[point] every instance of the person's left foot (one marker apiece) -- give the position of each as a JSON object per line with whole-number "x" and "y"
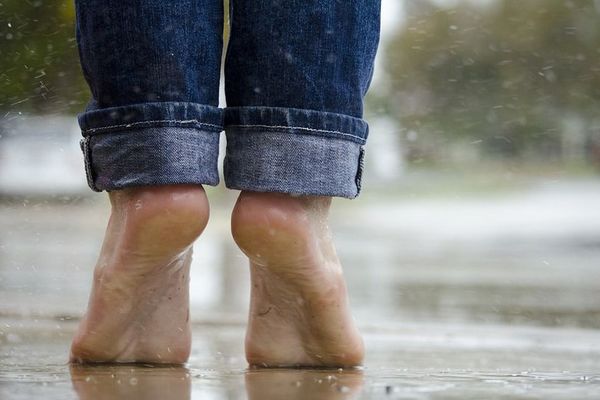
{"x": 139, "y": 305}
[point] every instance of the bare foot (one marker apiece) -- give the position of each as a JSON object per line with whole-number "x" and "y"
{"x": 139, "y": 306}
{"x": 299, "y": 312}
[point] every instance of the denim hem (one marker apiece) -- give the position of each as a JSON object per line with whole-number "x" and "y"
{"x": 96, "y": 120}
{"x": 149, "y": 156}
{"x": 274, "y": 161}
{"x": 297, "y": 121}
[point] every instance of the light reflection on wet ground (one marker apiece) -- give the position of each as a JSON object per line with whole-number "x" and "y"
{"x": 458, "y": 298}
{"x": 416, "y": 361}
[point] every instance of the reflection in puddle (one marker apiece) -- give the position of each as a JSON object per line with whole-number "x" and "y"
{"x": 134, "y": 382}
{"x": 130, "y": 382}
{"x": 303, "y": 384}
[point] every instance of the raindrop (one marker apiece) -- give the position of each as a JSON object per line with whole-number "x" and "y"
{"x": 13, "y": 338}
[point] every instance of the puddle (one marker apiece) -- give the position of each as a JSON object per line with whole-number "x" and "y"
{"x": 508, "y": 307}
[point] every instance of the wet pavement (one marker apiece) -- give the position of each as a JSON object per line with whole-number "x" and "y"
{"x": 463, "y": 296}
{"x": 410, "y": 361}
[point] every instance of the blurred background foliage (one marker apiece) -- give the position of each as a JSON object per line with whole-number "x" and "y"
{"x": 515, "y": 78}
{"x": 39, "y": 65}
{"x": 504, "y": 79}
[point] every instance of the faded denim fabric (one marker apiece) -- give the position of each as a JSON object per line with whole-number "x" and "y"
{"x": 296, "y": 73}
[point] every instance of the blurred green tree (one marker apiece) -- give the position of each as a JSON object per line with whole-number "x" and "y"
{"x": 39, "y": 65}
{"x": 504, "y": 75}
{"x": 39, "y": 62}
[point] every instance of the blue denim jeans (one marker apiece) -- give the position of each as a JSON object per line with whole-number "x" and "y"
{"x": 296, "y": 73}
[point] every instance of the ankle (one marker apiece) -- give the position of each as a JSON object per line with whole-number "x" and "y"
{"x": 170, "y": 216}
{"x": 272, "y": 227}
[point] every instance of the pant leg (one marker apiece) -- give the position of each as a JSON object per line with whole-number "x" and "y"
{"x": 153, "y": 68}
{"x": 296, "y": 73}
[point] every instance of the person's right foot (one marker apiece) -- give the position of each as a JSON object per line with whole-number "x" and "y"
{"x": 299, "y": 312}
{"x": 139, "y": 306}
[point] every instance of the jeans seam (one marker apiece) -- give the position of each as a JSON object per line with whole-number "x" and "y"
{"x": 189, "y": 121}
{"x": 87, "y": 154}
{"x": 298, "y": 128}
{"x": 359, "y": 171}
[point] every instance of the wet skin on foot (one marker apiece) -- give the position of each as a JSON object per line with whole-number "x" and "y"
{"x": 139, "y": 305}
{"x": 299, "y": 312}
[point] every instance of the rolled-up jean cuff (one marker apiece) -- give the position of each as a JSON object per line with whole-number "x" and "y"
{"x": 301, "y": 152}
{"x": 160, "y": 155}
{"x": 155, "y": 143}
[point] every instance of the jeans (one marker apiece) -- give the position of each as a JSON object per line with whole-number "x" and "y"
{"x": 296, "y": 73}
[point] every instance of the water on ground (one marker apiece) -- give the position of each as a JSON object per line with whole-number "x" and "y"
{"x": 459, "y": 297}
